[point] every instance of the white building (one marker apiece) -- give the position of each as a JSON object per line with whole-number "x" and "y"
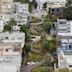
{"x": 56, "y": 6}
{"x": 64, "y": 32}
{"x": 11, "y": 45}
{"x": 64, "y": 27}
{"x": 65, "y": 54}
{"x": 19, "y": 12}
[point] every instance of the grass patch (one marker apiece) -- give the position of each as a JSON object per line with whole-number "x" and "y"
{"x": 35, "y": 20}
{"x": 63, "y": 70}
{"x": 43, "y": 69}
{"x": 35, "y": 57}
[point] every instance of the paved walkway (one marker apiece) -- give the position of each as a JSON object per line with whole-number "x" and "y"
{"x": 37, "y": 23}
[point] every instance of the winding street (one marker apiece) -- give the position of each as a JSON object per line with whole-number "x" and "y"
{"x": 29, "y": 68}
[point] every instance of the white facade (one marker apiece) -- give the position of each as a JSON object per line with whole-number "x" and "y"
{"x": 4, "y": 18}
{"x": 11, "y": 45}
{"x": 64, "y": 27}
{"x": 1, "y": 26}
{"x": 65, "y": 54}
{"x": 64, "y": 31}
{"x": 19, "y": 12}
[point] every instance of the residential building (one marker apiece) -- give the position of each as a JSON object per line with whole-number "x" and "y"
{"x": 5, "y": 6}
{"x": 56, "y": 7}
{"x": 11, "y": 45}
{"x": 65, "y": 54}
{"x": 64, "y": 51}
{"x": 20, "y": 12}
{"x": 64, "y": 28}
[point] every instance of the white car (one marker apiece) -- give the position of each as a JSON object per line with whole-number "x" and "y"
{"x": 31, "y": 63}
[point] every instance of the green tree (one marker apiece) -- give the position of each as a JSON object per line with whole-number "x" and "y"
{"x": 52, "y": 45}
{"x": 53, "y": 18}
{"x": 25, "y": 29}
{"x": 43, "y": 69}
{"x": 34, "y": 3}
{"x": 12, "y": 22}
{"x": 30, "y": 7}
{"x": 25, "y": 52}
{"x": 22, "y": 1}
{"x": 26, "y": 49}
{"x": 45, "y": 45}
{"x": 68, "y": 10}
{"x": 63, "y": 70}
{"x": 49, "y": 45}
{"x": 48, "y": 61}
{"x": 7, "y": 28}
{"x": 47, "y": 26}
{"x": 45, "y": 5}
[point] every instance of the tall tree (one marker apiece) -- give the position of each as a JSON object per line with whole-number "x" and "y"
{"x": 34, "y": 3}
{"x": 68, "y": 10}
{"x": 47, "y": 26}
{"x": 30, "y": 7}
{"x": 7, "y": 28}
{"x": 12, "y": 22}
{"x": 45, "y": 5}
{"x": 22, "y": 1}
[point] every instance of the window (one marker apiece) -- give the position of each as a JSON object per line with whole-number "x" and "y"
{"x": 61, "y": 22}
{"x": 57, "y": 10}
{"x": 6, "y": 37}
{"x": 68, "y": 31}
{"x": 69, "y": 46}
{"x": 53, "y": 10}
{"x": 6, "y": 50}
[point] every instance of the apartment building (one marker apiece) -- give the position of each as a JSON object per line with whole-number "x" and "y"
{"x": 64, "y": 28}
{"x": 20, "y": 12}
{"x": 55, "y": 7}
{"x": 11, "y": 45}
{"x": 5, "y": 6}
{"x": 65, "y": 54}
{"x": 64, "y": 51}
